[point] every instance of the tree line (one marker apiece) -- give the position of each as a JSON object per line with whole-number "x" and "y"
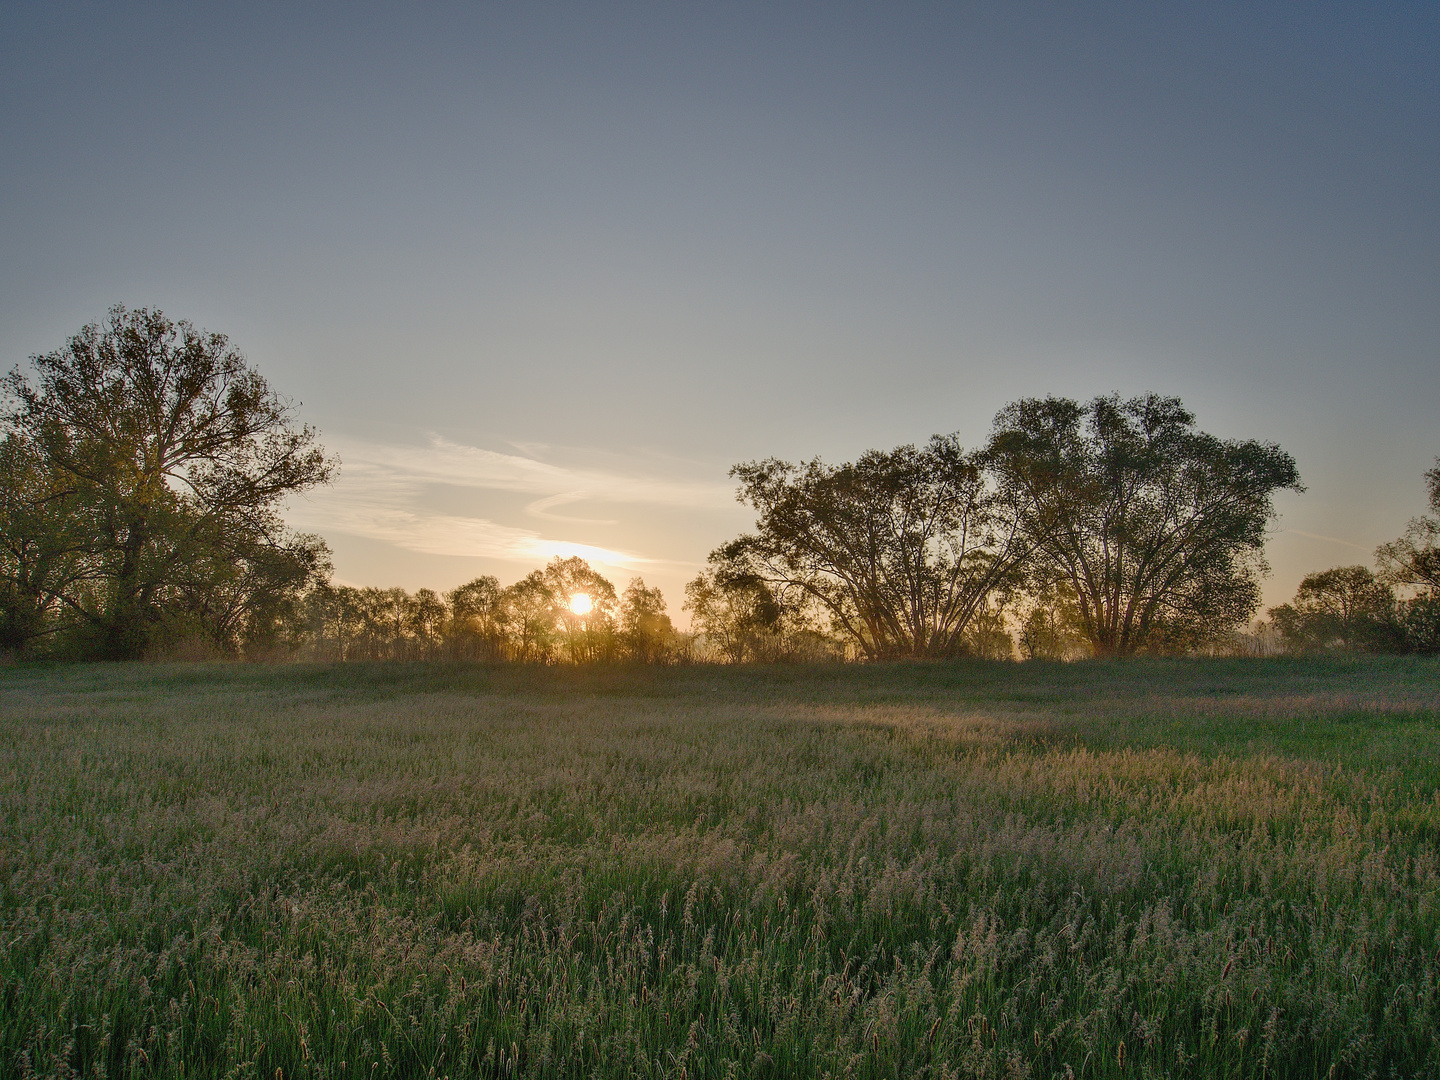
{"x": 534, "y": 620}
{"x": 144, "y": 465}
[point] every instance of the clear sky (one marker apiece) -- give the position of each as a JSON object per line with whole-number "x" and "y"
{"x": 542, "y": 273}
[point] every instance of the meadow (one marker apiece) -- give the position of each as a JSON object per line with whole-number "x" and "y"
{"x": 1154, "y": 868}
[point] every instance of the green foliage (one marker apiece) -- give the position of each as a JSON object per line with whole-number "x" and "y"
{"x": 1420, "y": 624}
{"x": 1157, "y": 528}
{"x": 529, "y": 622}
{"x": 1343, "y": 608}
{"x": 474, "y": 630}
{"x": 1156, "y": 868}
{"x": 739, "y": 617}
{"x": 1414, "y": 560}
{"x": 902, "y": 549}
{"x": 45, "y": 542}
{"x": 646, "y": 633}
{"x": 143, "y": 473}
{"x": 1050, "y": 628}
{"x": 1352, "y": 608}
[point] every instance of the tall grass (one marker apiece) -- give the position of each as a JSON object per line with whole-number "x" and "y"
{"x": 1226, "y": 868}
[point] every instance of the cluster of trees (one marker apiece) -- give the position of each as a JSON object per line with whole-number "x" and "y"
{"x": 564, "y": 613}
{"x": 144, "y": 465}
{"x": 143, "y": 468}
{"x": 1107, "y": 528}
{"x": 1394, "y": 608}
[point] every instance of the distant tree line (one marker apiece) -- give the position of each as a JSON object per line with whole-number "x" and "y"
{"x": 144, "y": 465}
{"x": 535, "y": 620}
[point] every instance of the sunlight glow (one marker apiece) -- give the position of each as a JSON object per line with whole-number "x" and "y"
{"x": 580, "y": 604}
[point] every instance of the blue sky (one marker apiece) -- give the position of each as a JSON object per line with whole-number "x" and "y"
{"x": 542, "y": 273}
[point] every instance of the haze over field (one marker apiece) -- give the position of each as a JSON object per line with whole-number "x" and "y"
{"x": 542, "y": 276}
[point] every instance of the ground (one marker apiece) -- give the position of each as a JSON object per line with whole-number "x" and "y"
{"x": 1185, "y": 868}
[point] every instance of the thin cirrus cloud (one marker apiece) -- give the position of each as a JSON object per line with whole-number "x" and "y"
{"x": 1327, "y": 539}
{"x": 384, "y": 491}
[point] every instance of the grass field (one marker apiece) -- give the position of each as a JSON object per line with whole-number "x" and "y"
{"x": 1207, "y": 868}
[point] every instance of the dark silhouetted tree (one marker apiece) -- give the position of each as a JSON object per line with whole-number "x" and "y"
{"x": 736, "y": 615}
{"x": 45, "y": 545}
{"x": 901, "y": 548}
{"x": 588, "y": 636}
{"x": 1412, "y": 565}
{"x": 1157, "y": 528}
{"x": 476, "y": 630}
{"x": 529, "y": 612}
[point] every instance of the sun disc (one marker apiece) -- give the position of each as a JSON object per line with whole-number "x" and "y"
{"x": 580, "y": 604}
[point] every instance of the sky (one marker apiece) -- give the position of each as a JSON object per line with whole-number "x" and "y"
{"x": 542, "y": 273}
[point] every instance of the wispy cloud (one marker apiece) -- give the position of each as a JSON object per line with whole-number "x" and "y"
{"x": 448, "y": 534}
{"x": 441, "y": 461}
{"x": 382, "y": 495}
{"x": 1327, "y": 539}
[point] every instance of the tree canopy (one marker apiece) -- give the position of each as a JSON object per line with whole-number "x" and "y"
{"x": 1346, "y": 607}
{"x": 145, "y": 465}
{"x": 1157, "y": 528}
{"x": 1413, "y": 560}
{"x": 902, "y": 549}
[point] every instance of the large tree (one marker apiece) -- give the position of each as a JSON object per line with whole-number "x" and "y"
{"x": 1157, "y": 528}
{"x": 176, "y": 457}
{"x": 902, "y": 548}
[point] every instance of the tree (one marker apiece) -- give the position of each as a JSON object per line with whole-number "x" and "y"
{"x": 1157, "y": 528}
{"x": 425, "y": 622}
{"x": 587, "y": 634}
{"x": 1050, "y": 626}
{"x": 1412, "y": 565}
{"x": 176, "y": 457}
{"x": 645, "y": 629}
{"x": 44, "y": 545}
{"x": 529, "y": 610}
{"x": 475, "y": 630}
{"x": 737, "y": 614}
{"x": 1414, "y": 560}
{"x": 243, "y": 592}
{"x": 1346, "y": 608}
{"x": 902, "y": 548}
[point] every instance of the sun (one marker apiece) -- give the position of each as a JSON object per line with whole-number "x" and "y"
{"x": 580, "y": 604}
